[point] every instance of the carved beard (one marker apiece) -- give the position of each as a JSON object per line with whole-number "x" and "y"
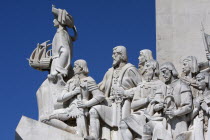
{"x": 148, "y": 75}
{"x": 116, "y": 62}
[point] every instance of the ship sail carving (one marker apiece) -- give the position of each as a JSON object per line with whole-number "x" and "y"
{"x": 41, "y": 57}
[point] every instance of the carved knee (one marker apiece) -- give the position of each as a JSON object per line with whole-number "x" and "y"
{"x": 93, "y": 113}
{"x": 123, "y": 125}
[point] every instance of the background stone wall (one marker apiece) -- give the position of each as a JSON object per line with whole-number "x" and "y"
{"x": 178, "y": 29}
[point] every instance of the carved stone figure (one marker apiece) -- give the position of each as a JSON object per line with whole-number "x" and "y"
{"x": 144, "y": 56}
{"x": 129, "y": 103}
{"x": 57, "y": 61}
{"x": 147, "y": 105}
{"x": 62, "y": 43}
{"x": 190, "y": 69}
{"x": 179, "y": 101}
{"x": 123, "y": 75}
{"x": 78, "y": 92}
{"x": 202, "y": 80}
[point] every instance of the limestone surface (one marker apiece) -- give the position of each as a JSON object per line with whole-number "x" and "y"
{"x": 178, "y": 29}
{"x": 29, "y": 129}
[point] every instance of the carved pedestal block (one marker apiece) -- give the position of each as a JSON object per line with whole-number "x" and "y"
{"x": 29, "y": 129}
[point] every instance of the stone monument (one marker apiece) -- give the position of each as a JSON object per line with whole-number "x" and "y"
{"x": 129, "y": 103}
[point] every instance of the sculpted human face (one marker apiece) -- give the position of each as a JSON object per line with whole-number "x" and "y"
{"x": 166, "y": 73}
{"x": 186, "y": 67}
{"x": 56, "y": 23}
{"x": 142, "y": 58}
{"x": 77, "y": 69}
{"x": 117, "y": 57}
{"x": 148, "y": 71}
{"x": 200, "y": 81}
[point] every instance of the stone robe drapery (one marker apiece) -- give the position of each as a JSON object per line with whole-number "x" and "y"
{"x": 129, "y": 77}
{"x": 137, "y": 120}
{"x": 183, "y": 101}
{"x": 87, "y": 85}
{"x": 61, "y": 52}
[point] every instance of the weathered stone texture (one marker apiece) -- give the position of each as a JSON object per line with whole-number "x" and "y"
{"x": 29, "y": 129}
{"x": 178, "y": 29}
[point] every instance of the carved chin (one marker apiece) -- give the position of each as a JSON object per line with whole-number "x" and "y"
{"x": 115, "y": 63}
{"x": 166, "y": 79}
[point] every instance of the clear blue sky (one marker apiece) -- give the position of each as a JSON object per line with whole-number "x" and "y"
{"x": 101, "y": 24}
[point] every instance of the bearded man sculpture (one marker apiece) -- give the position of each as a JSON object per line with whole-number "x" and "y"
{"x": 147, "y": 104}
{"x": 144, "y": 56}
{"x": 124, "y": 75}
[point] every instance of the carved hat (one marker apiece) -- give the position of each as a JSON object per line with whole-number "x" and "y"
{"x": 63, "y": 17}
{"x": 170, "y": 66}
{"x": 194, "y": 63}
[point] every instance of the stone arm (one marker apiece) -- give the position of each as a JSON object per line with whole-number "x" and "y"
{"x": 186, "y": 104}
{"x": 136, "y": 80}
{"x": 66, "y": 95}
{"x": 98, "y": 97}
{"x": 205, "y": 107}
{"x": 194, "y": 113}
{"x": 197, "y": 106}
{"x": 139, "y": 103}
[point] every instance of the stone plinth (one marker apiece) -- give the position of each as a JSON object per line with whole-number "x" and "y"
{"x": 178, "y": 29}
{"x": 29, "y": 129}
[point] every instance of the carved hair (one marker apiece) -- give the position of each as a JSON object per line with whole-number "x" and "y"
{"x": 147, "y": 53}
{"x": 82, "y": 64}
{"x": 155, "y": 66}
{"x": 170, "y": 66}
{"x": 123, "y": 51}
{"x": 194, "y": 64}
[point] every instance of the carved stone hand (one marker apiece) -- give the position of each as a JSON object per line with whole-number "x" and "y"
{"x": 81, "y": 104}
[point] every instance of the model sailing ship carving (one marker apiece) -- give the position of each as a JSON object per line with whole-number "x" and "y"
{"x": 41, "y": 57}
